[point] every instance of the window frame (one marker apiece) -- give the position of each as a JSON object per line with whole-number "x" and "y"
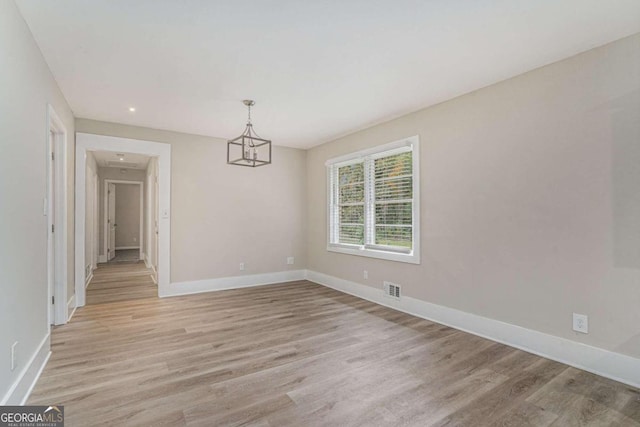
{"x": 369, "y": 249}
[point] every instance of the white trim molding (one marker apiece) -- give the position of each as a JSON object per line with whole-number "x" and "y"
{"x": 145, "y": 258}
{"x": 89, "y": 142}
{"x": 71, "y": 305}
{"x": 22, "y": 387}
{"x": 120, "y": 248}
{"x": 233, "y": 282}
{"x": 609, "y": 364}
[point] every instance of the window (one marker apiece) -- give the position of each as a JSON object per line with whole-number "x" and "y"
{"x": 374, "y": 202}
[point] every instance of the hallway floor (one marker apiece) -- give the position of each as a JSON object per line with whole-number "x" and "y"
{"x": 126, "y": 255}
{"x": 120, "y": 282}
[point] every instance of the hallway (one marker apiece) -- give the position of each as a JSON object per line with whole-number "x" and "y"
{"x": 122, "y": 281}
{"x": 126, "y": 255}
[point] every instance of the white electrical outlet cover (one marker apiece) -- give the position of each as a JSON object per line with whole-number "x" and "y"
{"x": 581, "y": 323}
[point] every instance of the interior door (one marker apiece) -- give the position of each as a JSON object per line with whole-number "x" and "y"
{"x": 111, "y": 221}
{"x": 51, "y": 212}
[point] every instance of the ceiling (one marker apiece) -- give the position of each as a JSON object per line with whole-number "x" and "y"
{"x": 317, "y": 70}
{"x": 109, "y": 159}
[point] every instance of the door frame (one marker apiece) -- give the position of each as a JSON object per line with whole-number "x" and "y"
{"x": 56, "y": 241}
{"x": 90, "y": 142}
{"x": 96, "y": 222}
{"x": 152, "y": 221}
{"x": 106, "y": 213}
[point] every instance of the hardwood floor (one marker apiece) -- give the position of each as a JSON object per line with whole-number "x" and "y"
{"x": 300, "y": 354}
{"x": 120, "y": 281}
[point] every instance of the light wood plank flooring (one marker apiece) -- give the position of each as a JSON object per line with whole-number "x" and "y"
{"x": 300, "y": 354}
{"x": 119, "y": 282}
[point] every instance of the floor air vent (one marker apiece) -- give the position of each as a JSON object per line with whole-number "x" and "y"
{"x": 392, "y": 290}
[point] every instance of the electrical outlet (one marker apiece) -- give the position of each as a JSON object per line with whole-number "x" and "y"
{"x": 13, "y": 355}
{"x": 365, "y": 274}
{"x": 242, "y": 266}
{"x": 290, "y": 260}
{"x": 581, "y": 323}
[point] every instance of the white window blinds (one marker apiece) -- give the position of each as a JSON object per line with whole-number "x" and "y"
{"x": 350, "y": 204}
{"x": 392, "y": 202}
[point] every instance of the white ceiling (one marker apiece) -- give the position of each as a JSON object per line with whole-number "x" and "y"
{"x": 317, "y": 70}
{"x": 109, "y": 159}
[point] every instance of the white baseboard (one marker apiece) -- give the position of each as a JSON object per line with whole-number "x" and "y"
{"x": 71, "y": 306}
{"x": 145, "y": 258}
{"x": 616, "y": 366}
{"x": 120, "y": 248}
{"x": 22, "y": 387}
{"x": 154, "y": 275}
{"x": 88, "y": 280}
{"x": 234, "y": 282}
{"x": 102, "y": 259}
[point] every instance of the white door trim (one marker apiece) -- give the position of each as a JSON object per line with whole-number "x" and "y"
{"x": 106, "y": 212}
{"x": 57, "y": 241}
{"x": 96, "y": 222}
{"x": 89, "y": 142}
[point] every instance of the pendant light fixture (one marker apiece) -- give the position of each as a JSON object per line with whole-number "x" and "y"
{"x": 249, "y": 149}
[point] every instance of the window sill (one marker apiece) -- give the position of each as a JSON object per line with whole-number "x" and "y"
{"x": 411, "y": 258}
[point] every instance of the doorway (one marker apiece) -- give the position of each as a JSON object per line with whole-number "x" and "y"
{"x": 124, "y": 220}
{"x": 161, "y": 155}
{"x": 55, "y": 210}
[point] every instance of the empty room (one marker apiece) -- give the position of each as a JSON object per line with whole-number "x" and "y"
{"x": 329, "y": 213}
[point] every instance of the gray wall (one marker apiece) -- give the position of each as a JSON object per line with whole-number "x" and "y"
{"x": 530, "y": 200}
{"x": 26, "y": 87}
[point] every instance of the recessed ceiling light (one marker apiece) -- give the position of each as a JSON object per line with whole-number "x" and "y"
{"x": 132, "y": 109}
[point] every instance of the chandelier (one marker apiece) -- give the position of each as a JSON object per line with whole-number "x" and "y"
{"x": 249, "y": 149}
